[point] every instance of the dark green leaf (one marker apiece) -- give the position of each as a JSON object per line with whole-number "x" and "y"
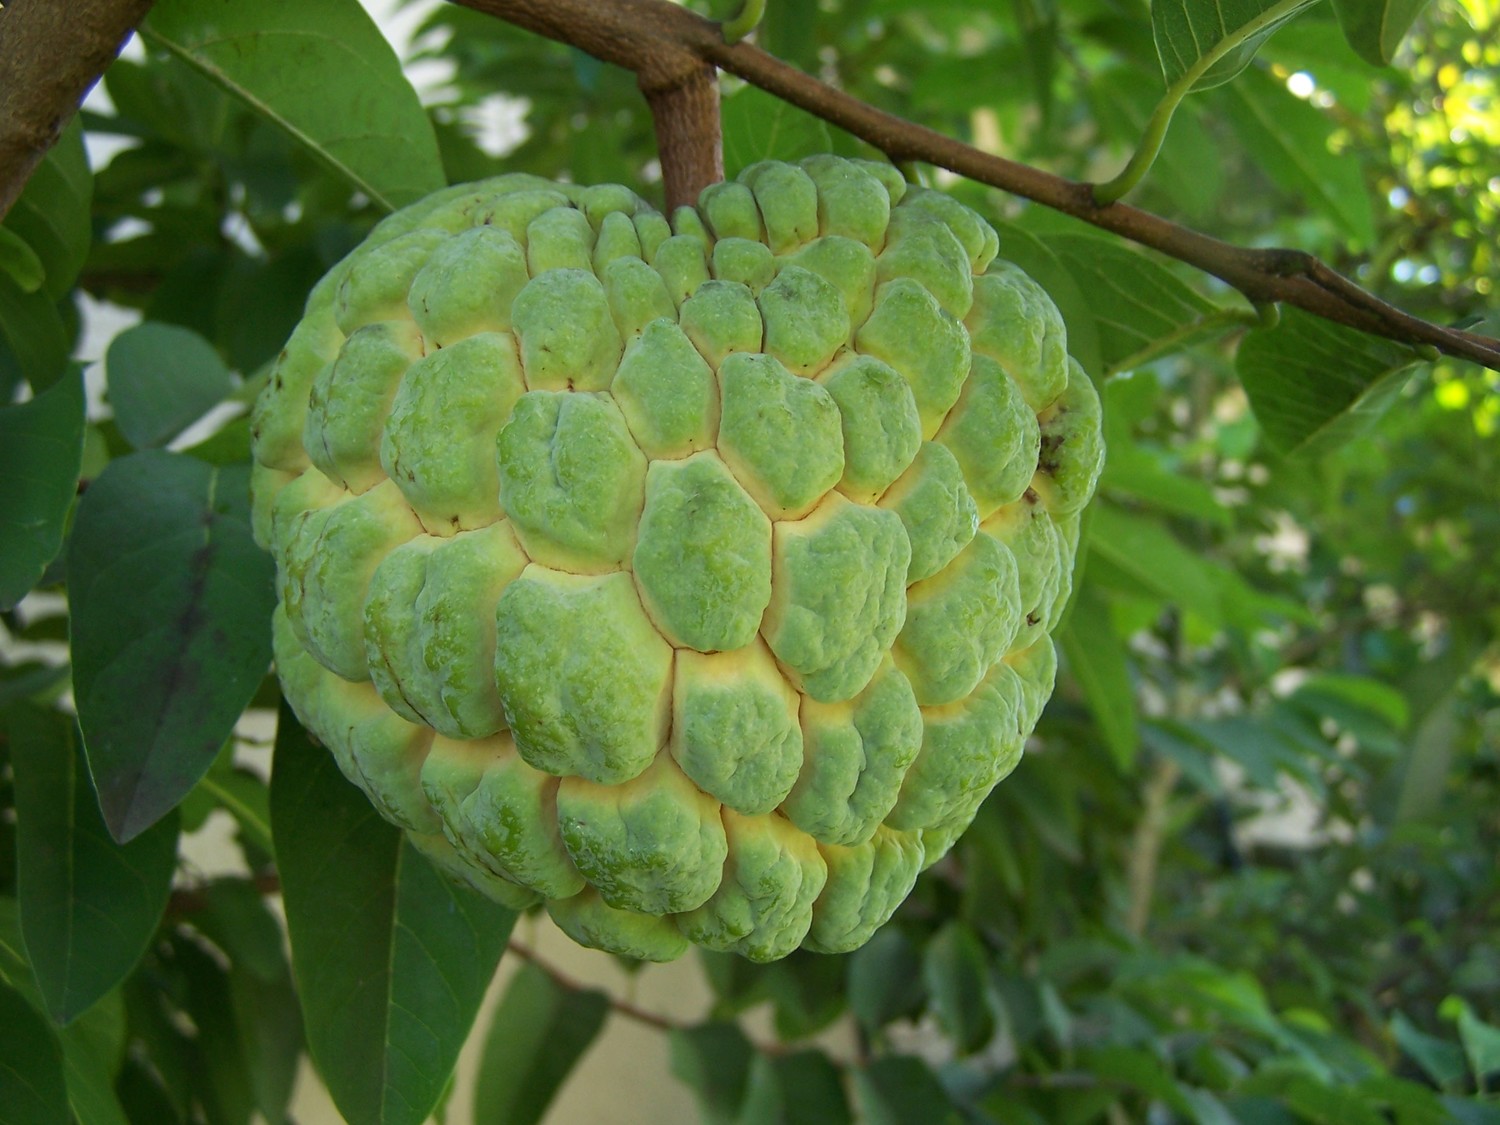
{"x": 93, "y": 1048}
{"x": 1208, "y": 42}
{"x": 956, "y": 972}
{"x": 1096, "y": 658}
{"x": 32, "y": 330}
{"x": 219, "y": 1073}
{"x": 714, "y": 1060}
{"x": 391, "y": 959}
{"x": 52, "y": 214}
{"x": 88, "y": 905}
{"x": 321, "y": 71}
{"x": 31, "y": 1074}
{"x": 760, "y": 126}
{"x": 802, "y": 1088}
{"x": 1375, "y": 28}
{"x": 162, "y": 379}
{"x": 41, "y": 449}
{"x": 539, "y": 1032}
{"x": 172, "y": 605}
{"x": 1315, "y": 385}
{"x": 901, "y": 1090}
{"x": 884, "y": 979}
{"x": 1142, "y": 310}
{"x": 1442, "y": 1061}
{"x": 1288, "y": 139}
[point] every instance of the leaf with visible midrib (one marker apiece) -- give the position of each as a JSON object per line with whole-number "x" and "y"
{"x": 171, "y": 628}
{"x": 88, "y": 905}
{"x": 1208, "y": 42}
{"x": 321, "y": 70}
{"x": 1315, "y": 385}
{"x": 391, "y": 959}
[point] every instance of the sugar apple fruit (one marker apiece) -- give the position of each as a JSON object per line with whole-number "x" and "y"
{"x": 695, "y": 577}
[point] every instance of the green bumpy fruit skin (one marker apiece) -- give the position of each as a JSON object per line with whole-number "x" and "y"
{"x": 692, "y": 579}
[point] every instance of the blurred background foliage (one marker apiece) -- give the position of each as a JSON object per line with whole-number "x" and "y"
{"x": 1247, "y": 869}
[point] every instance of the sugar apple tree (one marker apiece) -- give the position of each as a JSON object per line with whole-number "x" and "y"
{"x": 632, "y": 498}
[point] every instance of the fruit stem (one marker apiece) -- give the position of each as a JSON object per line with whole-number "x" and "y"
{"x": 689, "y": 136}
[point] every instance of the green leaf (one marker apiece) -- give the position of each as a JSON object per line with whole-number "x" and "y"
{"x": 32, "y": 1091}
{"x": 93, "y": 1045}
{"x": 41, "y": 450}
{"x": 1481, "y": 1041}
{"x": 51, "y": 216}
{"x": 1288, "y": 139}
{"x": 1155, "y": 558}
{"x": 320, "y": 70}
{"x": 760, "y": 126}
{"x": 714, "y": 1060}
{"x": 1442, "y": 1061}
{"x": 1096, "y": 658}
{"x": 89, "y": 906}
{"x": 245, "y": 797}
{"x": 1203, "y": 43}
{"x": 1141, "y": 309}
{"x": 1315, "y": 385}
{"x": 19, "y": 261}
{"x": 219, "y": 1074}
{"x": 172, "y": 604}
{"x": 539, "y": 1031}
{"x": 1375, "y": 28}
{"x": 391, "y": 959}
{"x": 884, "y": 980}
{"x": 801, "y": 1088}
{"x": 902, "y": 1090}
{"x": 956, "y": 972}
{"x": 32, "y": 330}
{"x": 162, "y": 379}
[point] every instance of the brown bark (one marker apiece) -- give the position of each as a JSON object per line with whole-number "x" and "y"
{"x": 51, "y": 53}
{"x": 688, "y": 135}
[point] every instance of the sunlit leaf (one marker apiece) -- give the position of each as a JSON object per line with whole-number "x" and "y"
{"x": 1210, "y": 41}
{"x": 1288, "y": 139}
{"x": 41, "y": 449}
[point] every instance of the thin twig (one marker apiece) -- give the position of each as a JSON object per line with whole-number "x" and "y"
{"x": 624, "y": 1007}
